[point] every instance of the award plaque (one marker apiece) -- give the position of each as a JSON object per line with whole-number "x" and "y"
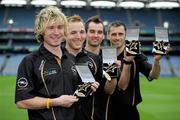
{"x": 132, "y": 41}
{"x": 87, "y": 78}
{"x": 161, "y": 44}
{"x": 109, "y": 55}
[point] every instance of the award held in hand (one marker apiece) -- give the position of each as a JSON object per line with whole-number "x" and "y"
{"x": 110, "y": 70}
{"x": 132, "y": 41}
{"x": 161, "y": 44}
{"x": 87, "y": 78}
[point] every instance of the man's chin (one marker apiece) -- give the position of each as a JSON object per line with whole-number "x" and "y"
{"x": 78, "y": 47}
{"x": 56, "y": 45}
{"x": 116, "y": 45}
{"x": 95, "y": 45}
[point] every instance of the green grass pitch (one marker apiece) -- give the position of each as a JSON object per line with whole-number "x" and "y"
{"x": 161, "y": 99}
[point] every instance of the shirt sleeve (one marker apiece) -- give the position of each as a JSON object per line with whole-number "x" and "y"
{"x": 144, "y": 66}
{"x": 24, "y": 80}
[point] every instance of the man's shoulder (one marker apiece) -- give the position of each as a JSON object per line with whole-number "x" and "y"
{"x": 31, "y": 56}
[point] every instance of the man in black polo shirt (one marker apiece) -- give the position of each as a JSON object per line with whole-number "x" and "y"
{"x": 127, "y": 93}
{"x": 45, "y": 82}
{"x": 74, "y": 46}
{"x": 95, "y": 34}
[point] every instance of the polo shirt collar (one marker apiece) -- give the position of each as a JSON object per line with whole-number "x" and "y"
{"x": 47, "y": 54}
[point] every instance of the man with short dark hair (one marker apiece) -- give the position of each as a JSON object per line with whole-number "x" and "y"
{"x": 127, "y": 94}
{"x": 95, "y": 34}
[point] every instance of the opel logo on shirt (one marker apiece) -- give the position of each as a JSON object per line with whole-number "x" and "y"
{"x": 22, "y": 82}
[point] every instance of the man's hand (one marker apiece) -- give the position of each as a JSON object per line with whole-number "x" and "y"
{"x": 65, "y": 100}
{"x": 94, "y": 86}
{"x": 129, "y": 58}
{"x": 157, "y": 57}
{"x": 118, "y": 63}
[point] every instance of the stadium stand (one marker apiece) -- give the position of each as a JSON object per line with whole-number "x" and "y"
{"x": 2, "y": 58}
{"x": 12, "y": 64}
{"x": 169, "y": 65}
{"x": 18, "y": 38}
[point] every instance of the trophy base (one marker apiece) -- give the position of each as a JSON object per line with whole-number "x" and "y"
{"x": 158, "y": 52}
{"x": 110, "y": 71}
{"x": 83, "y": 90}
{"x": 129, "y": 53}
{"x": 133, "y": 47}
{"x": 160, "y": 47}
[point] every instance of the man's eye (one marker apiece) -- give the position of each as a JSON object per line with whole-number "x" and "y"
{"x": 100, "y": 32}
{"x": 51, "y": 27}
{"x": 60, "y": 27}
{"x": 113, "y": 34}
{"x": 73, "y": 32}
{"x": 92, "y": 31}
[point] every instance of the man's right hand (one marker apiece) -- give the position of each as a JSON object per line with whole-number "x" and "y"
{"x": 65, "y": 100}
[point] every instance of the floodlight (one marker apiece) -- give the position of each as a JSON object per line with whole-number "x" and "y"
{"x": 43, "y": 2}
{"x": 73, "y": 3}
{"x": 103, "y": 4}
{"x": 13, "y": 2}
{"x": 133, "y": 4}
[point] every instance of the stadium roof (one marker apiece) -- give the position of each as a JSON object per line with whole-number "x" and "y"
{"x": 127, "y": 4}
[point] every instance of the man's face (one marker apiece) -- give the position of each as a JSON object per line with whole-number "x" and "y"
{"x": 53, "y": 34}
{"x": 95, "y": 34}
{"x": 116, "y": 36}
{"x": 76, "y": 35}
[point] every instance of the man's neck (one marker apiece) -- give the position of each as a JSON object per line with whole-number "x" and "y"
{"x": 120, "y": 49}
{"x": 73, "y": 51}
{"x": 54, "y": 50}
{"x": 93, "y": 49}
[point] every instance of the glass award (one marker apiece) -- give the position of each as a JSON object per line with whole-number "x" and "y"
{"x": 161, "y": 44}
{"x": 87, "y": 78}
{"x": 132, "y": 41}
{"x": 109, "y": 55}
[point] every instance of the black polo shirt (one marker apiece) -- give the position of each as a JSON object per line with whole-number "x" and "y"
{"x": 85, "y": 107}
{"x": 125, "y": 97}
{"x": 59, "y": 79}
{"x": 101, "y": 97}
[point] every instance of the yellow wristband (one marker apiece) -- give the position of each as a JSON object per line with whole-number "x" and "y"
{"x": 48, "y": 103}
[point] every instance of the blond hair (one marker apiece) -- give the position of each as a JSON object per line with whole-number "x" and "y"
{"x": 50, "y": 13}
{"x": 75, "y": 18}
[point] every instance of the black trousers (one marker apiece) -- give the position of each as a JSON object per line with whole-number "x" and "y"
{"x": 124, "y": 112}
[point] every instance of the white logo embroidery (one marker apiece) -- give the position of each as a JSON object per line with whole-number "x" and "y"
{"x": 74, "y": 69}
{"x": 22, "y": 82}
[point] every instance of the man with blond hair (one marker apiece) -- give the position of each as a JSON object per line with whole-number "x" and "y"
{"x": 44, "y": 81}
